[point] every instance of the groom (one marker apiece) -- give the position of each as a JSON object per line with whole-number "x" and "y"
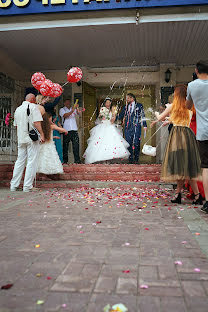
{"x": 133, "y": 118}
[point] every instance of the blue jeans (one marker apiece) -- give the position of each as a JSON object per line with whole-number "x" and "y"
{"x": 133, "y": 136}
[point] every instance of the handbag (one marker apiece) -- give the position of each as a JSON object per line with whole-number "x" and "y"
{"x": 34, "y": 133}
{"x": 149, "y": 150}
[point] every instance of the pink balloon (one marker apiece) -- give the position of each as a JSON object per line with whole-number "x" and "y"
{"x": 56, "y": 90}
{"x": 46, "y": 87}
{"x": 74, "y": 74}
{"x": 37, "y": 79}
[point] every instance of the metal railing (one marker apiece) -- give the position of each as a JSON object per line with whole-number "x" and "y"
{"x": 8, "y": 142}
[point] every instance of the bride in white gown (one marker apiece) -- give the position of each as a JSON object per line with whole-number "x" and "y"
{"x": 106, "y": 141}
{"x": 48, "y": 160}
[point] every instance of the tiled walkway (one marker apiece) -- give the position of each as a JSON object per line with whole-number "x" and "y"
{"x": 81, "y": 249}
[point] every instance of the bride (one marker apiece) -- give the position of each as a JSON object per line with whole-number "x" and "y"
{"x": 106, "y": 141}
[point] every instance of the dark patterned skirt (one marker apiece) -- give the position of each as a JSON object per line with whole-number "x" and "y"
{"x": 181, "y": 159}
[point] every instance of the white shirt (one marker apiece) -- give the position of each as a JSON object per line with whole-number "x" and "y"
{"x": 132, "y": 105}
{"x": 21, "y": 120}
{"x": 69, "y": 123}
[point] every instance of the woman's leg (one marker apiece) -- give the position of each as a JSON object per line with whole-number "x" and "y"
{"x": 198, "y": 197}
{"x": 177, "y": 199}
{"x": 180, "y": 184}
{"x": 194, "y": 187}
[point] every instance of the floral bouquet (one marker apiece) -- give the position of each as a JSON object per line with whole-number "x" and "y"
{"x": 116, "y": 308}
{"x": 104, "y": 113}
{"x": 9, "y": 120}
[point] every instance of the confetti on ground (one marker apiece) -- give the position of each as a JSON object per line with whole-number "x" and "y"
{"x": 7, "y": 286}
{"x": 178, "y": 262}
{"x": 197, "y": 270}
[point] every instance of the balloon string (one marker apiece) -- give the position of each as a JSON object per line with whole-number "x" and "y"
{"x": 65, "y": 84}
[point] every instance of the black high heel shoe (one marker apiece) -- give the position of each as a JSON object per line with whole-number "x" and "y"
{"x": 177, "y": 199}
{"x": 199, "y": 200}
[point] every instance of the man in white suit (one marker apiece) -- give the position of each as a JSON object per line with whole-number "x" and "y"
{"x": 27, "y": 149}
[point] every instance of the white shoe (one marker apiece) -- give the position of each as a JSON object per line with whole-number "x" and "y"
{"x": 34, "y": 189}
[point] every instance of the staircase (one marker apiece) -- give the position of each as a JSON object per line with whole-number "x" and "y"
{"x": 80, "y": 173}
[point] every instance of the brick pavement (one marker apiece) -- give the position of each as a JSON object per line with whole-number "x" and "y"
{"x": 78, "y": 250}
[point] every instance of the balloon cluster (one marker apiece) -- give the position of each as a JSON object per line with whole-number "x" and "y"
{"x": 48, "y": 88}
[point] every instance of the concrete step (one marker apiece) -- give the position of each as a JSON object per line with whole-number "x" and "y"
{"x": 114, "y": 172}
{"x": 95, "y": 184}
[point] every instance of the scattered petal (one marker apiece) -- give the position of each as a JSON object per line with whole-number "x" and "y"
{"x": 7, "y": 286}
{"x": 197, "y": 270}
{"x": 39, "y": 302}
{"x": 178, "y": 262}
{"x": 39, "y": 274}
{"x": 143, "y": 286}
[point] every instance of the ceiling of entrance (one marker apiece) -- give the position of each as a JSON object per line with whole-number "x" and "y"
{"x": 182, "y": 43}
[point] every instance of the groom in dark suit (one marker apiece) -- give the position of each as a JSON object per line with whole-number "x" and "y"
{"x": 133, "y": 118}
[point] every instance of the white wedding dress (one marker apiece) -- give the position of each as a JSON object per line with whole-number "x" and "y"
{"x": 48, "y": 160}
{"x": 105, "y": 143}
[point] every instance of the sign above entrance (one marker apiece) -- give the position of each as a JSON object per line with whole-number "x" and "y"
{"x": 19, "y": 7}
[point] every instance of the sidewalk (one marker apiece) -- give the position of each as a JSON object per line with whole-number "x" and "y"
{"x": 80, "y": 249}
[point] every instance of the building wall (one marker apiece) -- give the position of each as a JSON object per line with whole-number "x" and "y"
{"x": 103, "y": 77}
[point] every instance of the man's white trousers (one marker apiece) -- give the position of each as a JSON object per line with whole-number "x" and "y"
{"x": 26, "y": 152}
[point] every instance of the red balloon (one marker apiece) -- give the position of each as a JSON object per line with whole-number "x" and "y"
{"x": 37, "y": 79}
{"x": 74, "y": 74}
{"x": 56, "y": 90}
{"x": 46, "y": 87}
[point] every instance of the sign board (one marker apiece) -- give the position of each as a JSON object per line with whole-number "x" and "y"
{"x": 21, "y": 7}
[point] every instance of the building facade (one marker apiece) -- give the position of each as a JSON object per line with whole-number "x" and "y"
{"x": 146, "y": 47}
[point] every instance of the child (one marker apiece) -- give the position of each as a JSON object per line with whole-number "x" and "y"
{"x": 49, "y": 162}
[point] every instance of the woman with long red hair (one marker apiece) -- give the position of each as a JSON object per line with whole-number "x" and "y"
{"x": 181, "y": 160}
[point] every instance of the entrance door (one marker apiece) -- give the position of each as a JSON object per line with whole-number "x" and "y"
{"x": 90, "y": 113}
{"x": 146, "y": 96}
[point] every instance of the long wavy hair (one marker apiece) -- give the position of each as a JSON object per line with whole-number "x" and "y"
{"x": 46, "y": 127}
{"x": 179, "y": 112}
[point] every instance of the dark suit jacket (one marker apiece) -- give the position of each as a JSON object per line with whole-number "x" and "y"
{"x": 134, "y": 119}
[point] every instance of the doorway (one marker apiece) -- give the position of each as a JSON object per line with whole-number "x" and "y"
{"x": 94, "y": 97}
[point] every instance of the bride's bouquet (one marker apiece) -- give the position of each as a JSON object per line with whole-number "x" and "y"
{"x": 104, "y": 113}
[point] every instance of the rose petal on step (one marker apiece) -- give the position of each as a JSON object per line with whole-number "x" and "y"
{"x": 178, "y": 262}
{"x": 143, "y": 286}
{"x": 7, "y": 286}
{"x": 197, "y": 270}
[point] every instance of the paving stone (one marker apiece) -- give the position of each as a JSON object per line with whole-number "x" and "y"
{"x": 148, "y": 304}
{"x": 92, "y": 264}
{"x": 171, "y": 304}
{"x": 148, "y": 272}
{"x": 197, "y": 304}
{"x": 99, "y": 301}
{"x": 73, "y": 283}
{"x": 105, "y": 285}
{"x": 167, "y": 272}
{"x": 161, "y": 291}
{"x": 126, "y": 286}
{"x": 193, "y": 289}
{"x": 69, "y": 302}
